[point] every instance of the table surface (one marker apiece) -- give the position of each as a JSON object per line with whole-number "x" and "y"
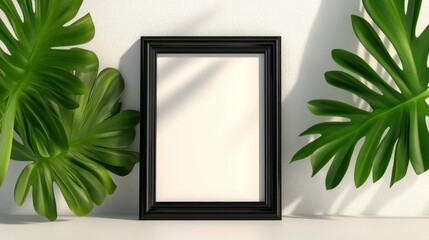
{"x": 128, "y": 227}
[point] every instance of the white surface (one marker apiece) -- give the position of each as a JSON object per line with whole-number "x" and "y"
{"x": 310, "y": 29}
{"x": 208, "y": 127}
{"x": 72, "y": 228}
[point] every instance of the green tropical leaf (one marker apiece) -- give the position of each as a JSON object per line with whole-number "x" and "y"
{"x": 97, "y": 132}
{"x": 396, "y": 124}
{"x": 36, "y": 74}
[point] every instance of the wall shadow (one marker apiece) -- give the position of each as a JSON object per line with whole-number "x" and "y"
{"x": 25, "y": 219}
{"x": 129, "y": 66}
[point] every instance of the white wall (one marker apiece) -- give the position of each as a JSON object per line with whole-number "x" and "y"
{"x": 309, "y": 30}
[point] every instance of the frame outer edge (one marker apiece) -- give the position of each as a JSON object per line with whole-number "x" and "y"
{"x": 149, "y": 211}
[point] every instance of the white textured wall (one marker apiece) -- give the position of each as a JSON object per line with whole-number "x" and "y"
{"x": 310, "y": 29}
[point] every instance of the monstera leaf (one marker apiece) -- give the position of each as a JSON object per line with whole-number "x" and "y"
{"x": 396, "y": 123}
{"x": 96, "y": 133}
{"x": 36, "y": 69}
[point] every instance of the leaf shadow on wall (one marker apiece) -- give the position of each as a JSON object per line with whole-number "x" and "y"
{"x": 303, "y": 195}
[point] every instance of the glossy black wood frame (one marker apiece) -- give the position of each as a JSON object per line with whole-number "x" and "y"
{"x": 270, "y": 209}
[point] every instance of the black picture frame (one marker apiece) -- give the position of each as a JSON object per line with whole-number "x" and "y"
{"x": 270, "y": 209}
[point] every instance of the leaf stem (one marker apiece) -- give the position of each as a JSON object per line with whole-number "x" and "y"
{"x": 6, "y": 137}
{"x": 376, "y": 116}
